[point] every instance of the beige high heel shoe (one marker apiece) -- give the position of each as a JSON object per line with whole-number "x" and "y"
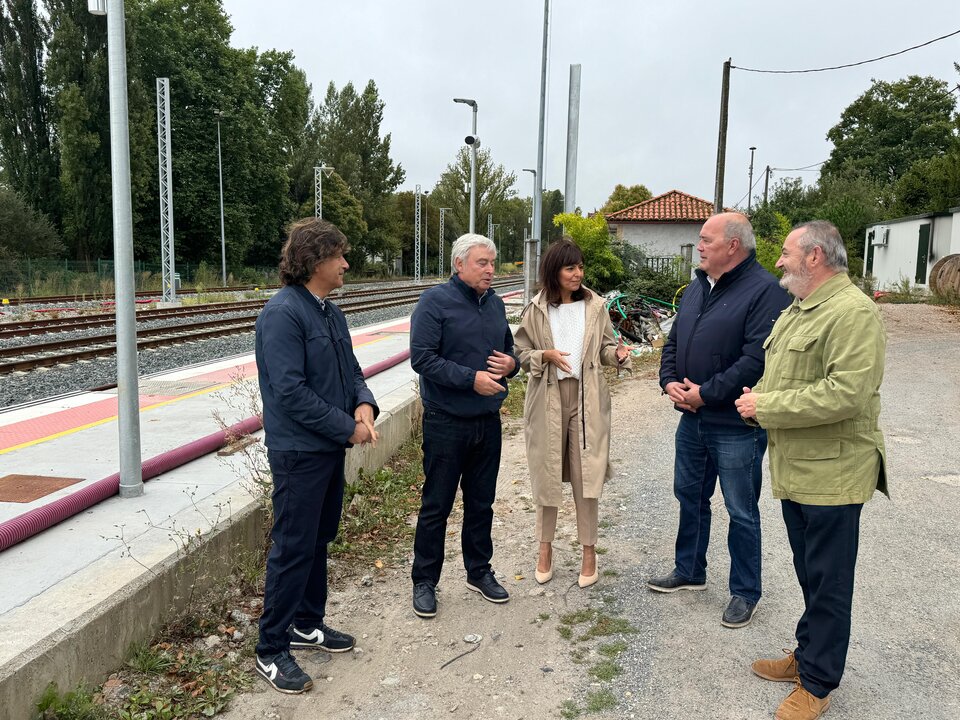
{"x": 588, "y": 580}
{"x": 545, "y": 577}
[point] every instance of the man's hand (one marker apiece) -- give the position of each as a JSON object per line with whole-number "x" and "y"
{"x": 674, "y": 391}
{"x": 557, "y": 357}
{"x": 691, "y": 396}
{"x": 500, "y": 364}
{"x": 362, "y": 434}
{"x": 364, "y": 415}
{"x": 747, "y": 404}
{"x": 485, "y": 383}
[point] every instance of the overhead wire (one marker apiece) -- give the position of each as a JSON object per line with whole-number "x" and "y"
{"x": 847, "y": 65}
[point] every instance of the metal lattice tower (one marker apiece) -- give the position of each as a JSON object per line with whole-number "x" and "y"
{"x": 318, "y": 172}
{"x": 440, "y": 242}
{"x": 490, "y": 225}
{"x": 416, "y": 235}
{"x": 164, "y": 151}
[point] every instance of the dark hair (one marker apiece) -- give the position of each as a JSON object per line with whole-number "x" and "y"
{"x": 560, "y": 254}
{"x": 310, "y": 241}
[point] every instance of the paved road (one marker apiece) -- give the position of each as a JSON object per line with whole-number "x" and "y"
{"x": 904, "y": 657}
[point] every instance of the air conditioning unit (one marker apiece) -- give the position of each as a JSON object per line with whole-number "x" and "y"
{"x": 880, "y": 235}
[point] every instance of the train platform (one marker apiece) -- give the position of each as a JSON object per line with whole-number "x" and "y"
{"x": 57, "y": 582}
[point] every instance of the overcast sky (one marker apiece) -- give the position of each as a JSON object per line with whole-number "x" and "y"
{"x": 650, "y": 78}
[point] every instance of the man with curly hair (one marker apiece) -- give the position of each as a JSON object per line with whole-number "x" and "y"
{"x": 315, "y": 405}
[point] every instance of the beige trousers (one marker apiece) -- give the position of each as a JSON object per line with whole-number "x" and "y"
{"x": 587, "y": 508}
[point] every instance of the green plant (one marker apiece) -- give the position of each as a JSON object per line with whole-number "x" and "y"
{"x": 569, "y": 709}
{"x": 612, "y": 650}
{"x": 513, "y": 405}
{"x": 149, "y": 659}
{"x": 605, "y": 625}
{"x": 600, "y": 700}
{"x": 605, "y": 670}
{"x": 73, "y": 705}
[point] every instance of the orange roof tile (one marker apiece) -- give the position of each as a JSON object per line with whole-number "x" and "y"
{"x": 673, "y": 206}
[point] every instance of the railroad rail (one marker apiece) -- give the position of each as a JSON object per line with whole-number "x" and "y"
{"x": 23, "y": 358}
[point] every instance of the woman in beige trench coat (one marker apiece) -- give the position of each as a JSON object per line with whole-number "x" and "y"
{"x": 565, "y": 337}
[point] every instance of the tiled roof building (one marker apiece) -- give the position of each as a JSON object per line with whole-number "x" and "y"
{"x": 670, "y": 207}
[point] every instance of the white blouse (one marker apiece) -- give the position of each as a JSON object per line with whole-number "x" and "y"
{"x": 567, "y": 321}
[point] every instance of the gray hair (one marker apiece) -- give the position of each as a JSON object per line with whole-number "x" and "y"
{"x": 464, "y": 244}
{"x": 823, "y": 234}
{"x": 738, "y": 226}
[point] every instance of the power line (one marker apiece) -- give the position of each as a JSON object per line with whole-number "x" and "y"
{"x": 848, "y": 65}
{"x": 814, "y": 166}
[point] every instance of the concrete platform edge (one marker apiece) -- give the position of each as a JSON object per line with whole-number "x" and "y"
{"x": 90, "y": 646}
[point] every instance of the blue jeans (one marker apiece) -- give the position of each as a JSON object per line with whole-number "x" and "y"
{"x": 705, "y": 451}
{"x": 462, "y": 452}
{"x": 307, "y": 502}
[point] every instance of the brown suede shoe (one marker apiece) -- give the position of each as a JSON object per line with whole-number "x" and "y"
{"x": 780, "y": 670}
{"x": 801, "y": 705}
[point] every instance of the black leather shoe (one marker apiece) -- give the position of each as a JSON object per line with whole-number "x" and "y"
{"x": 488, "y": 587}
{"x": 424, "y": 600}
{"x": 738, "y": 613}
{"x": 673, "y": 582}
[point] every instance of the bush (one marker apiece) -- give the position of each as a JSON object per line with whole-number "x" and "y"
{"x": 659, "y": 285}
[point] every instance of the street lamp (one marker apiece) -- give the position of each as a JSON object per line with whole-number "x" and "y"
{"x": 473, "y": 141}
{"x": 223, "y": 237}
{"x": 528, "y": 271}
{"x": 318, "y": 172}
{"x": 750, "y": 191}
{"x": 440, "y": 242}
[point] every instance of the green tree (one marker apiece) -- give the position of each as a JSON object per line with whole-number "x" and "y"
{"x": 494, "y": 188}
{"x": 603, "y": 270}
{"x": 551, "y": 208}
{"x": 624, "y": 197}
{"x": 26, "y": 152}
{"x": 342, "y": 209}
{"x": 930, "y": 185}
{"x": 891, "y": 126}
{"x": 24, "y": 231}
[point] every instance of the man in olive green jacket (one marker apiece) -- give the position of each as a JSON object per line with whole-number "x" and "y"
{"x": 819, "y": 401}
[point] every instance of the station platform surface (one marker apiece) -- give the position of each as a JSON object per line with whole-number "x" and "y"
{"x": 74, "y": 439}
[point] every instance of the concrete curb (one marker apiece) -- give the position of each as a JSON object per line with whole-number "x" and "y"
{"x": 81, "y": 630}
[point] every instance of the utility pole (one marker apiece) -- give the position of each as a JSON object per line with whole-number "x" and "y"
{"x": 416, "y": 235}
{"x": 722, "y": 140}
{"x": 538, "y": 177}
{"x": 753, "y": 149}
{"x": 573, "y": 139}
{"x": 766, "y": 185}
{"x": 440, "y": 242}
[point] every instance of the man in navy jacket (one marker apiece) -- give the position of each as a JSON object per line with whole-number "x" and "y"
{"x": 462, "y": 347}
{"x": 315, "y": 405}
{"x": 714, "y": 350}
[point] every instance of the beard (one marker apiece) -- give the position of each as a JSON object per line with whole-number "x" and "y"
{"x": 796, "y": 282}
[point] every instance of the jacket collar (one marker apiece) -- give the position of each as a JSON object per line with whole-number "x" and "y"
{"x": 827, "y": 290}
{"x": 731, "y": 274}
{"x": 469, "y": 291}
{"x": 309, "y": 298}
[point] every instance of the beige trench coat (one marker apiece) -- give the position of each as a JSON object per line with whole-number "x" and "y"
{"x": 543, "y": 429}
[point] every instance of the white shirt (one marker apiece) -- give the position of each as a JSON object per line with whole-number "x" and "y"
{"x": 567, "y": 322}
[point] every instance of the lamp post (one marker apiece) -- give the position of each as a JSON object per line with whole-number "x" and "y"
{"x": 440, "y": 242}
{"x": 528, "y": 270}
{"x": 750, "y": 191}
{"x": 472, "y": 141}
{"x": 318, "y": 171}
{"x": 223, "y": 237}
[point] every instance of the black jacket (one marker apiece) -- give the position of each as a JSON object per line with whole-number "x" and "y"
{"x": 310, "y": 380}
{"x": 452, "y": 333}
{"x": 717, "y": 336}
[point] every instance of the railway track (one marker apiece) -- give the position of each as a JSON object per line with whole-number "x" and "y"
{"x": 24, "y": 358}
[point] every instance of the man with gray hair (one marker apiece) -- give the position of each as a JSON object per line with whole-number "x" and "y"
{"x": 714, "y": 349}
{"x": 819, "y": 400}
{"x": 462, "y": 348}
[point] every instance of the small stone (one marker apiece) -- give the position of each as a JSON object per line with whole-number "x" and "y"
{"x": 358, "y": 651}
{"x": 238, "y": 636}
{"x": 240, "y": 617}
{"x": 472, "y": 638}
{"x": 211, "y": 641}
{"x": 366, "y": 580}
{"x": 478, "y": 676}
{"x": 390, "y": 681}
{"x": 546, "y": 669}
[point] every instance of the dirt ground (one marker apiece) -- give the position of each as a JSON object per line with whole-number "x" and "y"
{"x": 680, "y": 663}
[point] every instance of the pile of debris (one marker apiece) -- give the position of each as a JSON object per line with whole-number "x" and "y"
{"x": 638, "y": 319}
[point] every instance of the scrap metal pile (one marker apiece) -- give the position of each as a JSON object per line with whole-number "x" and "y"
{"x": 640, "y": 320}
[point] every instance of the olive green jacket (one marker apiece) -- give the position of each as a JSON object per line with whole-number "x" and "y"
{"x": 819, "y": 397}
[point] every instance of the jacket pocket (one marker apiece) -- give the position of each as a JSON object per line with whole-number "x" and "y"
{"x": 814, "y": 466}
{"x": 801, "y": 361}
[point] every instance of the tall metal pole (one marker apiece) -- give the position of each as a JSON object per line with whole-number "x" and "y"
{"x": 753, "y": 149}
{"x": 473, "y": 175}
{"x": 722, "y": 140}
{"x": 766, "y": 185}
{"x": 223, "y": 237}
{"x": 318, "y": 171}
{"x": 538, "y": 193}
{"x": 128, "y": 393}
{"x": 529, "y": 273}
{"x": 440, "y": 242}
{"x": 416, "y": 235}
{"x": 165, "y": 166}
{"x": 426, "y": 231}
{"x": 573, "y": 135}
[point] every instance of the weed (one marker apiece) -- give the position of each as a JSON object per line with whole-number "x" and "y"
{"x": 610, "y": 573}
{"x": 600, "y": 700}
{"x": 578, "y": 655}
{"x": 605, "y": 670}
{"x": 612, "y": 650}
{"x": 73, "y": 705}
{"x": 601, "y": 550}
{"x": 151, "y": 660}
{"x": 543, "y": 616}
{"x": 565, "y": 632}
{"x": 513, "y": 405}
{"x": 578, "y": 616}
{"x": 569, "y": 709}
{"x": 605, "y": 625}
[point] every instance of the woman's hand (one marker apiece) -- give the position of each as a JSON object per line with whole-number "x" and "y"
{"x": 623, "y": 352}
{"x": 557, "y": 357}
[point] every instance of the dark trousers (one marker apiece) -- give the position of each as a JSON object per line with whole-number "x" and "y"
{"x": 733, "y": 453}
{"x": 307, "y": 501}
{"x": 824, "y": 540}
{"x": 464, "y": 452}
